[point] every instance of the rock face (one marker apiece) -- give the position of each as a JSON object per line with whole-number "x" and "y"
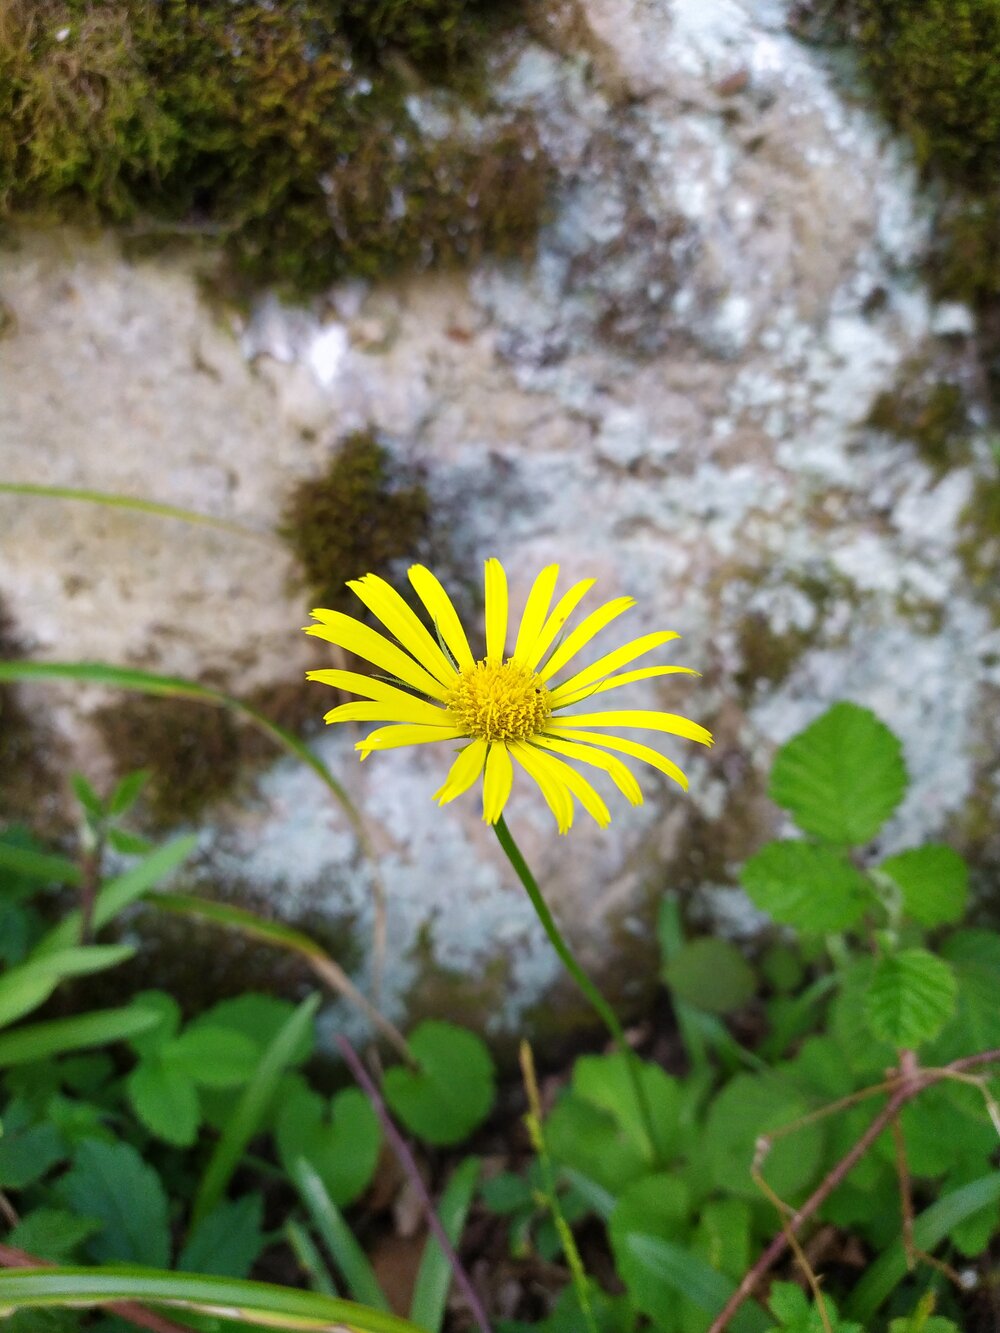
{"x": 671, "y": 398}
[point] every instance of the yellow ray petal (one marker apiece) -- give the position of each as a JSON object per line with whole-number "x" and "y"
{"x": 564, "y": 608}
{"x": 401, "y": 621}
{"x": 557, "y": 796}
{"x": 536, "y": 608}
{"x": 633, "y": 748}
{"x": 496, "y": 610}
{"x": 619, "y": 774}
{"x": 463, "y": 772}
{"x": 579, "y": 786}
{"x": 497, "y": 782}
{"x": 584, "y": 632}
{"x": 561, "y": 700}
{"x": 442, "y": 612}
{"x": 391, "y": 738}
{"x": 645, "y": 719}
{"x": 414, "y": 710}
{"x": 367, "y": 686}
{"x": 610, "y": 662}
{"x": 349, "y": 633}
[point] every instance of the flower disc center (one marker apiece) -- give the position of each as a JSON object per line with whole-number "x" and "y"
{"x": 500, "y": 701}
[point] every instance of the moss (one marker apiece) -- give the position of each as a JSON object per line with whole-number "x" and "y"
{"x": 932, "y": 415}
{"x": 282, "y": 130}
{"x": 766, "y": 655}
{"x": 362, "y": 516}
{"x": 979, "y": 546}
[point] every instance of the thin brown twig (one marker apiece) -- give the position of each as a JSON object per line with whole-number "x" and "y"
{"x": 131, "y": 1311}
{"x": 905, "y": 1194}
{"x": 409, "y": 1165}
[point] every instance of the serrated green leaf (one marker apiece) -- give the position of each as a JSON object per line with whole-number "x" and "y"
{"x": 52, "y": 1233}
{"x": 453, "y": 1089}
{"x": 752, "y": 1105}
{"x": 842, "y": 777}
{"x": 712, "y": 974}
{"x": 228, "y": 1240}
{"x": 806, "y": 886}
{"x": 340, "y": 1140}
{"x": 933, "y": 881}
{"x": 111, "y": 1182}
{"x": 911, "y": 997}
{"x": 212, "y": 1057}
{"x": 165, "y": 1100}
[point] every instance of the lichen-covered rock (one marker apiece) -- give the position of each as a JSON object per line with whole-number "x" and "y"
{"x": 675, "y": 396}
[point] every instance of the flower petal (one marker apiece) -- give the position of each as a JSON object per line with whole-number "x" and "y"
{"x": 580, "y": 787}
{"x": 564, "y": 608}
{"x": 644, "y": 719}
{"x": 561, "y": 700}
{"x": 536, "y": 608}
{"x": 349, "y": 633}
{"x": 584, "y": 632}
{"x": 463, "y": 772}
{"x": 401, "y": 621}
{"x": 413, "y": 710}
{"x": 496, "y": 611}
{"x": 619, "y": 774}
{"x": 610, "y": 662}
{"x": 369, "y": 687}
{"x": 633, "y": 748}
{"x": 497, "y": 782}
{"x": 442, "y": 611}
{"x": 391, "y": 738}
{"x": 557, "y": 795}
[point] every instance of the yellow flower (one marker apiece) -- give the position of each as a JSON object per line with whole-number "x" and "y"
{"x": 505, "y": 707}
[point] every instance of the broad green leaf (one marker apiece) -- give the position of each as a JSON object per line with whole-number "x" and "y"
{"x": 228, "y": 1240}
{"x": 165, "y": 1101}
{"x": 975, "y": 957}
{"x": 604, "y": 1081}
{"x": 751, "y": 1106}
{"x": 212, "y": 1057}
{"x": 842, "y": 777}
{"x": 590, "y": 1140}
{"x": 847, "y": 1018}
{"x": 453, "y": 1089}
{"x": 712, "y": 974}
{"x": 686, "y": 1272}
{"x": 28, "y": 1148}
{"x": 52, "y": 1233}
{"x": 911, "y": 997}
{"x": 340, "y": 1139}
{"x": 111, "y": 1182}
{"x": 659, "y": 1205}
{"x": 934, "y": 883}
{"x": 806, "y": 886}
{"x": 434, "y": 1276}
{"x": 337, "y": 1236}
{"x": 782, "y": 968}
{"x": 257, "y": 1017}
{"x": 258, "y": 1303}
{"x": 168, "y": 1020}
{"x": 41, "y": 1041}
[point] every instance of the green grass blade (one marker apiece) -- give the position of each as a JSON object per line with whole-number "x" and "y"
{"x": 697, "y": 1280}
{"x": 39, "y": 865}
{"x": 238, "y": 918}
{"x": 115, "y": 500}
{"x": 28, "y": 985}
{"x": 337, "y": 1236}
{"x": 430, "y": 1293}
{"x": 41, "y": 1041}
{"x": 310, "y": 1260}
{"x": 929, "y": 1230}
{"x": 247, "y": 1118}
{"x": 257, "y": 1303}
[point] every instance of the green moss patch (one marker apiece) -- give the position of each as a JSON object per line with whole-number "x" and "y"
{"x": 280, "y": 130}
{"x": 979, "y": 547}
{"x": 929, "y": 413}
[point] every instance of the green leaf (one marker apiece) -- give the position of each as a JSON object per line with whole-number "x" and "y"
{"x": 212, "y": 1057}
{"x": 127, "y": 792}
{"x": 41, "y": 1041}
{"x": 453, "y": 1089}
{"x": 27, "y": 863}
{"x": 751, "y": 1106}
{"x": 340, "y": 1141}
{"x": 228, "y": 1240}
{"x": 128, "y": 844}
{"x": 975, "y": 957}
{"x": 111, "y": 1182}
{"x": 85, "y": 794}
{"x": 52, "y": 1233}
{"x": 30, "y": 984}
{"x": 165, "y": 1101}
{"x": 590, "y": 1140}
{"x": 806, "y": 886}
{"x": 430, "y": 1292}
{"x": 658, "y": 1205}
{"x": 668, "y": 1262}
{"x": 507, "y": 1193}
{"x": 842, "y": 777}
{"x": 911, "y": 997}
{"x": 712, "y": 974}
{"x": 973, "y": 1234}
{"x": 28, "y": 1149}
{"x": 934, "y": 883}
{"x": 337, "y": 1236}
{"x": 257, "y": 1017}
{"x": 604, "y": 1081}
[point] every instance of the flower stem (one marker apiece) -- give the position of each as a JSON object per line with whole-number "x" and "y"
{"x": 598, "y": 1002}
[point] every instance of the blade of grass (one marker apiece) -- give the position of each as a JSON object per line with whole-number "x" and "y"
{"x": 310, "y": 1260}
{"x": 695, "y": 1279}
{"x": 250, "y": 1110}
{"x": 337, "y": 1236}
{"x": 41, "y": 1041}
{"x": 430, "y": 1292}
{"x": 257, "y": 1303}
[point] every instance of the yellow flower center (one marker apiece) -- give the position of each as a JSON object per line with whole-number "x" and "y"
{"x": 500, "y": 701}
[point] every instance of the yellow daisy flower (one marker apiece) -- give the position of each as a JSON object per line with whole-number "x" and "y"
{"x": 507, "y": 708}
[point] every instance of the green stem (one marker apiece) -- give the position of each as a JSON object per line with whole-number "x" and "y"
{"x": 598, "y": 1002}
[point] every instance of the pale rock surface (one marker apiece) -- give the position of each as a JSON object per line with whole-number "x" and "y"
{"x": 670, "y": 398}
